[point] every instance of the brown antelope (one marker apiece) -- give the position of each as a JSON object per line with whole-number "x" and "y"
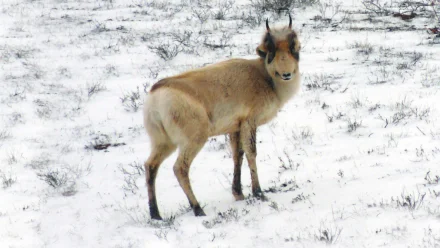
{"x": 232, "y": 97}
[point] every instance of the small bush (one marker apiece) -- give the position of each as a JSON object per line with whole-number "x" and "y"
{"x": 416, "y": 57}
{"x": 94, "y": 88}
{"x": 404, "y": 110}
{"x": 223, "y": 8}
{"x": 184, "y": 38}
{"x": 304, "y": 134}
{"x": 334, "y": 116}
{"x": 111, "y": 70}
{"x": 406, "y": 10}
{"x": 134, "y": 168}
{"x": 252, "y": 19}
{"x": 286, "y": 186}
{"x": 328, "y": 10}
{"x": 15, "y": 118}
{"x": 287, "y": 163}
{"x": 132, "y": 100}
{"x": 40, "y": 162}
{"x": 139, "y": 216}
{"x": 13, "y": 157}
{"x": 431, "y": 238}
{"x": 131, "y": 173}
{"x": 99, "y": 27}
{"x": 166, "y": 51}
{"x": 229, "y": 215}
{"x": 34, "y": 71}
{"x": 64, "y": 177}
{"x": 299, "y": 198}
{"x": 18, "y": 95}
{"x": 64, "y": 72}
{"x": 362, "y": 47}
{"x": 7, "y": 179}
{"x": 430, "y": 77}
{"x": 355, "y": 102}
{"x": 406, "y": 201}
{"x": 328, "y": 234}
{"x": 10, "y": 53}
{"x": 43, "y": 109}
{"x": 353, "y": 124}
{"x": 322, "y": 81}
{"x": 218, "y": 43}
{"x": 280, "y": 5}
{"x": 55, "y": 178}
{"x": 377, "y": 7}
{"x": 102, "y": 141}
{"x": 432, "y": 180}
{"x": 4, "y": 134}
{"x": 409, "y": 201}
{"x": 202, "y": 14}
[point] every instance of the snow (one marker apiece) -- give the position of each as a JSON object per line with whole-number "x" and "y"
{"x": 354, "y": 155}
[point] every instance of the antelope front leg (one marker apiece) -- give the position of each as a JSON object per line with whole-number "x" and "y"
{"x": 248, "y": 133}
{"x": 237, "y": 156}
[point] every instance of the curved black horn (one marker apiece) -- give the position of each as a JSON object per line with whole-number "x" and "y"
{"x": 267, "y": 25}
{"x": 290, "y": 21}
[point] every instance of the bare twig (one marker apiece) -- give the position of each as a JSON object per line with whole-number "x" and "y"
{"x": 421, "y": 131}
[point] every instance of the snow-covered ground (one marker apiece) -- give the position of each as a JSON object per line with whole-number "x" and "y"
{"x": 352, "y": 161}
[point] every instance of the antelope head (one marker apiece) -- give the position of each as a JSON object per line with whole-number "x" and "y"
{"x": 280, "y": 51}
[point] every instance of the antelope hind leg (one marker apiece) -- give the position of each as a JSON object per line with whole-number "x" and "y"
{"x": 157, "y": 156}
{"x": 181, "y": 170}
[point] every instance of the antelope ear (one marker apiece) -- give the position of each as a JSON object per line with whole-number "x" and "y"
{"x": 261, "y": 51}
{"x": 294, "y": 43}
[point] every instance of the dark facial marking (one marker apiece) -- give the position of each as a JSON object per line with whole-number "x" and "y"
{"x": 296, "y": 55}
{"x": 292, "y": 43}
{"x": 270, "y": 45}
{"x": 269, "y": 42}
{"x": 270, "y": 57}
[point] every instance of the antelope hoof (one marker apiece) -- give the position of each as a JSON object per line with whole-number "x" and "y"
{"x": 236, "y": 191}
{"x": 260, "y": 196}
{"x": 239, "y": 197}
{"x": 155, "y": 216}
{"x": 154, "y": 212}
{"x": 263, "y": 198}
{"x": 198, "y": 211}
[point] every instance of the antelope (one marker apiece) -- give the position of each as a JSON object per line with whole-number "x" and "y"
{"x": 232, "y": 97}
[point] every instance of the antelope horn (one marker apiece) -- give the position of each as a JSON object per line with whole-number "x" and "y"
{"x": 267, "y": 25}
{"x": 290, "y": 21}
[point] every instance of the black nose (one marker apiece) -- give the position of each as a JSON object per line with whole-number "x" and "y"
{"x": 286, "y": 75}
